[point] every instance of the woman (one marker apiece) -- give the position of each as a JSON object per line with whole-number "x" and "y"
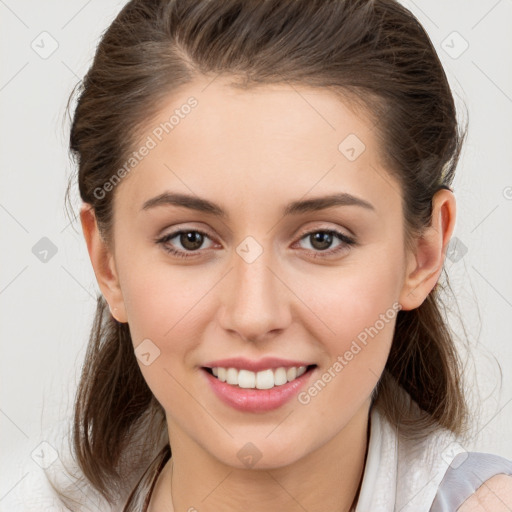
{"x": 267, "y": 207}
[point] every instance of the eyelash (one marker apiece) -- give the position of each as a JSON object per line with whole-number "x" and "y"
{"x": 347, "y": 242}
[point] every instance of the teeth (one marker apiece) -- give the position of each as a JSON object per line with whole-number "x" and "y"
{"x": 232, "y": 376}
{"x": 265, "y": 379}
{"x": 244, "y": 378}
{"x": 280, "y": 377}
{"x": 291, "y": 373}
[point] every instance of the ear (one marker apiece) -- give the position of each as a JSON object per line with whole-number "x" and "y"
{"x": 103, "y": 263}
{"x": 426, "y": 262}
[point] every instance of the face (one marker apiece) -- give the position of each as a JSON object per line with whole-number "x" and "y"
{"x": 268, "y": 277}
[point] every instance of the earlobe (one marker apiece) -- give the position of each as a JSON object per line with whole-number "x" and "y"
{"x": 426, "y": 264}
{"x": 103, "y": 263}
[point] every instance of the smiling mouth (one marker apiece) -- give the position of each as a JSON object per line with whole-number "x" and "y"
{"x": 265, "y": 379}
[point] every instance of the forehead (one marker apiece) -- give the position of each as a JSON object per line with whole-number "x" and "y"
{"x": 273, "y": 113}
{"x": 212, "y": 139}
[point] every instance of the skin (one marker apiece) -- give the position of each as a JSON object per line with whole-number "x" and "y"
{"x": 493, "y": 495}
{"x": 252, "y": 152}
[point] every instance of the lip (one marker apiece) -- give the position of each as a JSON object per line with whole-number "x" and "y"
{"x": 257, "y": 400}
{"x": 265, "y": 363}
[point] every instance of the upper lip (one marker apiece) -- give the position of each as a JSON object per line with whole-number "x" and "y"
{"x": 265, "y": 363}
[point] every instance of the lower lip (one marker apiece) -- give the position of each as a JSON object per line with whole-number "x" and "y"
{"x": 256, "y": 400}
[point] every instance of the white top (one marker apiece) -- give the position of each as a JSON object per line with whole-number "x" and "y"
{"x": 399, "y": 475}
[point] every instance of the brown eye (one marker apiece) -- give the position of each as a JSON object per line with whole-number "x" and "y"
{"x": 191, "y": 240}
{"x": 321, "y": 241}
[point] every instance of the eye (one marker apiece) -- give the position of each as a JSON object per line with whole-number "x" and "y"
{"x": 321, "y": 240}
{"x": 190, "y": 239}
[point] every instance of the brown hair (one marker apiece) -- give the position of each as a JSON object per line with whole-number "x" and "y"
{"x": 374, "y": 52}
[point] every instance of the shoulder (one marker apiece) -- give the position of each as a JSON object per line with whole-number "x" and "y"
{"x": 494, "y": 494}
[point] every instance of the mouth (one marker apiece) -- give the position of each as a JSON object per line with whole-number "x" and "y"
{"x": 257, "y": 385}
{"x": 264, "y": 379}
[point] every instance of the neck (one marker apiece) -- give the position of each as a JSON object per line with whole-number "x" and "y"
{"x": 327, "y": 479}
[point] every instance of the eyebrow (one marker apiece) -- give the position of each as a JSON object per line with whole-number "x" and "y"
{"x": 293, "y": 208}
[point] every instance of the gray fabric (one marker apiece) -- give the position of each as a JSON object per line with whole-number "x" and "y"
{"x": 466, "y": 473}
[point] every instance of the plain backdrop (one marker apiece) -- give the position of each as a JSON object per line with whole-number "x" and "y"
{"x": 47, "y": 299}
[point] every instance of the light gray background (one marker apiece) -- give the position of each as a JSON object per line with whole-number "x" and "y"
{"x": 47, "y": 307}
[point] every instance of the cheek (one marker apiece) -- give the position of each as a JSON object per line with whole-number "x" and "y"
{"x": 354, "y": 296}
{"x": 171, "y": 307}
{"x": 361, "y": 314}
{"x": 359, "y": 307}
{"x": 168, "y": 308}
{"x": 362, "y": 335}
{"x": 165, "y": 304}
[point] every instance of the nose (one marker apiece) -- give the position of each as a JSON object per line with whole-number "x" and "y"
{"x": 255, "y": 301}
